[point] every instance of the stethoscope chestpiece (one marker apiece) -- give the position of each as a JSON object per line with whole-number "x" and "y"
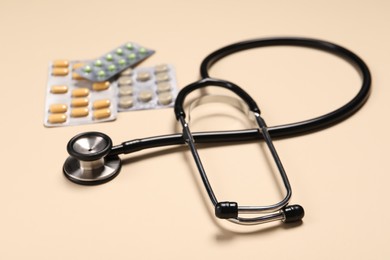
{"x": 89, "y": 162}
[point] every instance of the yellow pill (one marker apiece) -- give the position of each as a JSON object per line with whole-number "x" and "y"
{"x": 59, "y": 89}
{"x": 58, "y": 108}
{"x": 59, "y": 71}
{"x": 60, "y": 64}
{"x": 77, "y": 65}
{"x": 99, "y": 86}
{"x": 79, "y": 112}
{"x": 56, "y": 118}
{"x": 102, "y": 103}
{"x": 79, "y": 102}
{"x": 101, "y": 113}
{"x": 80, "y": 92}
{"x": 77, "y": 76}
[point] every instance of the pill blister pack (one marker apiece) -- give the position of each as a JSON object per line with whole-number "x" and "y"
{"x": 72, "y": 100}
{"x": 146, "y": 88}
{"x": 113, "y": 62}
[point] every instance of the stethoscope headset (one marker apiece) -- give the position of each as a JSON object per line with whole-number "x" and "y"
{"x": 94, "y": 160}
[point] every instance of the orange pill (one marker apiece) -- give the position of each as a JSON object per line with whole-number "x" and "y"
{"x": 102, "y": 103}
{"x": 79, "y": 112}
{"x": 58, "y": 108}
{"x": 77, "y": 76}
{"x": 56, "y": 118}
{"x": 101, "y": 113}
{"x": 59, "y": 89}
{"x": 60, "y": 63}
{"x": 77, "y": 65}
{"x": 59, "y": 71}
{"x": 99, "y": 86}
{"x": 79, "y": 102}
{"x": 80, "y": 92}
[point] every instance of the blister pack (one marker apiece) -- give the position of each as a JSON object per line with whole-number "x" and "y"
{"x": 113, "y": 62}
{"x": 73, "y": 100}
{"x": 146, "y": 88}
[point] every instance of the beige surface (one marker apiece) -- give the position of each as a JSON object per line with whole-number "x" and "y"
{"x": 156, "y": 208}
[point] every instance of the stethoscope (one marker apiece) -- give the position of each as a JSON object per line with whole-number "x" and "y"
{"x": 94, "y": 160}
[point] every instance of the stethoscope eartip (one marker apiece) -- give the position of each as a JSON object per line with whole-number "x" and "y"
{"x": 89, "y": 162}
{"x": 293, "y": 213}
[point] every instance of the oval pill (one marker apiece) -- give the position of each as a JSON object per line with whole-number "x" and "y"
{"x": 59, "y": 71}
{"x": 145, "y": 95}
{"x": 60, "y": 63}
{"x": 161, "y": 68}
{"x": 78, "y": 65}
{"x": 76, "y": 76}
{"x": 79, "y": 102}
{"x": 56, "y": 118}
{"x": 59, "y": 89}
{"x": 165, "y": 98}
{"x": 162, "y": 77}
{"x": 143, "y": 76}
{"x": 126, "y": 102}
{"x": 58, "y": 108}
{"x": 127, "y": 72}
{"x": 99, "y": 86}
{"x": 102, "y": 103}
{"x": 80, "y": 92}
{"x": 101, "y": 113}
{"x": 124, "y": 80}
{"x": 79, "y": 112}
{"x": 125, "y": 90}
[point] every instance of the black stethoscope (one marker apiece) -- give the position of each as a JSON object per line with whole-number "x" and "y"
{"x": 94, "y": 160}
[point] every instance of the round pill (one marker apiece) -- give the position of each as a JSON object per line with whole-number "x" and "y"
{"x": 119, "y": 51}
{"x": 98, "y": 63}
{"x": 109, "y": 57}
{"x": 124, "y": 80}
{"x": 60, "y": 72}
{"x": 101, "y": 113}
{"x": 143, "y": 76}
{"x": 111, "y": 67}
{"x": 80, "y": 92}
{"x": 77, "y": 65}
{"x": 143, "y": 50}
{"x": 129, "y": 46}
{"x": 102, "y": 103}
{"x": 60, "y": 63}
{"x": 161, "y": 77}
{"x": 79, "y": 102}
{"x": 101, "y": 73}
{"x": 125, "y": 90}
{"x": 76, "y": 76}
{"x": 99, "y": 86}
{"x": 163, "y": 87}
{"x": 59, "y": 89}
{"x": 145, "y": 95}
{"x": 79, "y": 112}
{"x": 131, "y": 56}
{"x": 165, "y": 98}
{"x": 122, "y": 62}
{"x": 127, "y": 72}
{"x": 87, "y": 69}
{"x": 56, "y": 118}
{"x": 58, "y": 108}
{"x": 126, "y": 102}
{"x": 161, "y": 68}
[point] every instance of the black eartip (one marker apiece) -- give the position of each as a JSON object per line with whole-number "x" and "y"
{"x": 226, "y": 210}
{"x": 293, "y": 213}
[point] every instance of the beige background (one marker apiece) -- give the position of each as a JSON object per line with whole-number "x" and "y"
{"x": 156, "y": 208}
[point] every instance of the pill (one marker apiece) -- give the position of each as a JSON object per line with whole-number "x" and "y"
{"x": 132, "y": 56}
{"x": 129, "y": 46}
{"x": 101, "y": 113}
{"x": 111, "y": 67}
{"x": 127, "y": 72}
{"x": 59, "y": 71}
{"x": 122, "y": 62}
{"x": 60, "y": 63}
{"x": 145, "y": 95}
{"x": 126, "y": 102}
{"x": 79, "y": 102}
{"x": 161, "y": 77}
{"x": 101, "y": 73}
{"x": 59, "y": 89}
{"x": 102, "y": 103}
{"x": 79, "y": 112}
{"x": 87, "y": 69}
{"x": 163, "y": 87}
{"x": 109, "y": 57}
{"x": 119, "y": 51}
{"x": 98, "y": 63}
{"x": 99, "y": 86}
{"x": 56, "y": 118}
{"x": 142, "y": 50}
{"x": 143, "y": 76}
{"x": 76, "y": 76}
{"x": 161, "y": 68}
{"x": 58, "y": 108}
{"x": 125, "y": 91}
{"x": 124, "y": 80}
{"x": 165, "y": 98}
{"x": 77, "y": 65}
{"x": 80, "y": 92}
